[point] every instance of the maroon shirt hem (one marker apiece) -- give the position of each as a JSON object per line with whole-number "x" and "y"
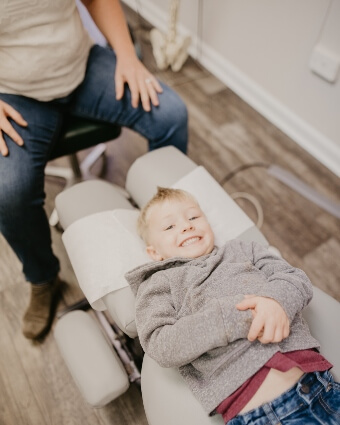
{"x": 306, "y": 360}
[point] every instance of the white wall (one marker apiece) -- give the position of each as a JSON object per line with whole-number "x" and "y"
{"x": 261, "y": 49}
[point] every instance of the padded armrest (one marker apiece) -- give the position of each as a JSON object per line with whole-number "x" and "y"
{"x": 168, "y": 400}
{"x": 91, "y": 360}
{"x": 323, "y": 317}
{"x": 121, "y": 306}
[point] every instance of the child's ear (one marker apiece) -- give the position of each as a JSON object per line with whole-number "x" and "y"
{"x": 153, "y": 253}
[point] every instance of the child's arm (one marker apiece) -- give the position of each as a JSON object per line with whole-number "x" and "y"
{"x": 174, "y": 341}
{"x": 286, "y": 292}
{"x": 270, "y": 322}
{"x": 286, "y": 284}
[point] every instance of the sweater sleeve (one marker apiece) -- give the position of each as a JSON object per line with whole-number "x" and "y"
{"x": 174, "y": 342}
{"x": 286, "y": 284}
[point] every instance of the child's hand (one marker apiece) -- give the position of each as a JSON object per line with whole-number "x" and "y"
{"x": 270, "y": 323}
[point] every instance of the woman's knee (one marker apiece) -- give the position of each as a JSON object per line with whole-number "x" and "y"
{"x": 14, "y": 196}
{"x": 21, "y": 186}
{"x": 173, "y": 108}
{"x": 170, "y": 122}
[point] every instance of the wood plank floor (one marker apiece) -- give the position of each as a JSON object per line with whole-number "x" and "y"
{"x": 225, "y": 133}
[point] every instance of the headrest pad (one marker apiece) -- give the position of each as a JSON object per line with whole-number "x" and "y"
{"x": 102, "y": 247}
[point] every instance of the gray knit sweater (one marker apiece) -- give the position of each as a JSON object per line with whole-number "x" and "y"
{"x": 186, "y": 315}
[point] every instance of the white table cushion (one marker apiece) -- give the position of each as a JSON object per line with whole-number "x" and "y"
{"x": 102, "y": 247}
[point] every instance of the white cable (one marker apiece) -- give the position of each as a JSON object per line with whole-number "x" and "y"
{"x": 255, "y": 203}
{"x": 284, "y": 176}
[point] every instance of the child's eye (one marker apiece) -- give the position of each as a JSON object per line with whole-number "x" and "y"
{"x": 193, "y": 218}
{"x": 169, "y": 227}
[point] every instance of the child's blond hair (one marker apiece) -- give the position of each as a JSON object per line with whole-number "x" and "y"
{"x": 163, "y": 194}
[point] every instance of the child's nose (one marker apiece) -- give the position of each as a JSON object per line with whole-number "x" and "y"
{"x": 188, "y": 225}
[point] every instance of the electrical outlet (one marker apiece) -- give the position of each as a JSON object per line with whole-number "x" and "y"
{"x": 324, "y": 63}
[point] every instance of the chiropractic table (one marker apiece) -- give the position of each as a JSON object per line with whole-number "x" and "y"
{"x": 100, "y": 237}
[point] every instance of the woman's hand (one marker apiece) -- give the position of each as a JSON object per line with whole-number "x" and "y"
{"x": 6, "y": 112}
{"x": 109, "y": 18}
{"x": 142, "y": 84}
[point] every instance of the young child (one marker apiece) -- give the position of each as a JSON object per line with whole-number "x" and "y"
{"x": 230, "y": 319}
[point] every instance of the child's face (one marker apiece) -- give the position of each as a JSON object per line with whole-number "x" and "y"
{"x": 178, "y": 228}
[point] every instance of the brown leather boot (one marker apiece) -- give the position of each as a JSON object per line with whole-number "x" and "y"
{"x": 40, "y": 312}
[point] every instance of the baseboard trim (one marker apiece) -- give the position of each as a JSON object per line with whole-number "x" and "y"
{"x": 322, "y": 148}
{"x": 318, "y": 145}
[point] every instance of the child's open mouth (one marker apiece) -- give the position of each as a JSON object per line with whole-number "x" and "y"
{"x": 190, "y": 241}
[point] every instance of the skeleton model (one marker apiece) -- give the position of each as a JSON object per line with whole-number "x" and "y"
{"x": 168, "y": 49}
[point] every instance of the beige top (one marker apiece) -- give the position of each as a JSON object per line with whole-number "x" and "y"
{"x": 43, "y": 48}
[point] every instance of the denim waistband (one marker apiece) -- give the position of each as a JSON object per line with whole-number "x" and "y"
{"x": 303, "y": 393}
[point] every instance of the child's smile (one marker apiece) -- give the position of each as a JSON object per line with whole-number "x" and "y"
{"x": 190, "y": 241}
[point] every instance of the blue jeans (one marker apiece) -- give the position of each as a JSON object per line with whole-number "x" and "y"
{"x": 23, "y": 221}
{"x": 315, "y": 399}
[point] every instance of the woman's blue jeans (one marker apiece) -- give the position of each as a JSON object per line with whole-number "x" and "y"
{"x": 23, "y": 221}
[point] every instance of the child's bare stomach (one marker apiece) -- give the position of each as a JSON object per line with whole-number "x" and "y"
{"x": 275, "y": 384}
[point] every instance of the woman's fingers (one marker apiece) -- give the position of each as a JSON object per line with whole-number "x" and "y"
{"x": 14, "y": 114}
{"x": 7, "y": 111}
{"x": 119, "y": 85}
{"x": 3, "y": 146}
{"x": 144, "y": 91}
{"x": 7, "y": 128}
{"x": 143, "y": 86}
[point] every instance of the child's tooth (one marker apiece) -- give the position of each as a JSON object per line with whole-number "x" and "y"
{"x": 190, "y": 241}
